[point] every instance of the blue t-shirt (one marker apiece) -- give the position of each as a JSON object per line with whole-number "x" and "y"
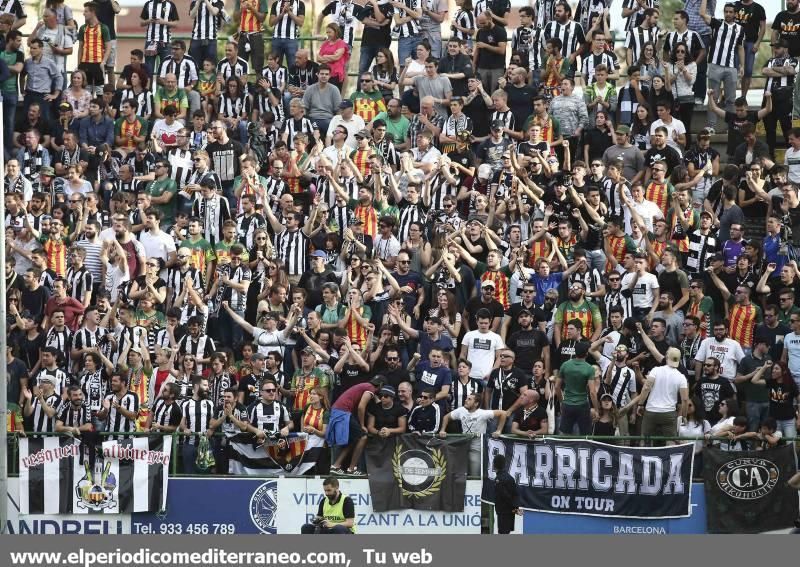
{"x": 543, "y": 284}
{"x": 414, "y": 281}
{"x": 444, "y": 343}
{"x": 435, "y": 378}
{"x": 772, "y": 246}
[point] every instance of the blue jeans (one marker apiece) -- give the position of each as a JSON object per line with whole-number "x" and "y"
{"x": 44, "y": 105}
{"x": 596, "y": 259}
{"x": 366, "y": 56}
{"x": 287, "y": 47}
{"x": 200, "y": 52}
{"x": 788, "y": 427}
{"x": 9, "y": 115}
{"x": 162, "y": 52}
{"x": 749, "y": 58}
{"x": 229, "y": 333}
{"x": 727, "y": 77}
{"x": 189, "y": 454}
{"x": 405, "y": 48}
{"x": 756, "y": 413}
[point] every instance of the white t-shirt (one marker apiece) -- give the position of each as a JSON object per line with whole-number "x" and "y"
{"x": 649, "y": 212}
{"x": 791, "y": 342}
{"x": 792, "y": 159}
{"x": 644, "y": 294}
{"x": 728, "y": 352}
{"x": 667, "y": 384}
{"x": 674, "y": 129}
{"x": 472, "y": 422}
{"x": 694, "y": 429}
{"x": 160, "y": 246}
{"x": 482, "y": 347}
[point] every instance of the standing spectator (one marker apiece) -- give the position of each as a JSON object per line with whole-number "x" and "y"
{"x": 506, "y": 497}
{"x": 719, "y": 347}
{"x": 665, "y": 388}
{"x": 94, "y": 48}
{"x": 407, "y": 14}
{"x": 750, "y": 382}
{"x": 185, "y": 71}
{"x": 578, "y": 378}
{"x": 251, "y": 16}
{"x": 14, "y": 8}
{"x": 14, "y": 59}
{"x": 698, "y": 25}
{"x": 751, "y": 16}
{"x": 208, "y": 17}
{"x": 725, "y": 58}
{"x": 433, "y": 13}
{"x": 57, "y": 40}
{"x": 159, "y": 17}
{"x": 43, "y": 82}
{"x": 335, "y": 53}
{"x": 489, "y": 54}
{"x": 780, "y": 70}
{"x": 322, "y": 100}
{"x": 569, "y": 32}
{"x": 376, "y": 33}
{"x": 224, "y": 154}
{"x": 286, "y": 18}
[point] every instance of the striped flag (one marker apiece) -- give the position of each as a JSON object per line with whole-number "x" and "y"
{"x": 55, "y": 476}
{"x": 299, "y": 457}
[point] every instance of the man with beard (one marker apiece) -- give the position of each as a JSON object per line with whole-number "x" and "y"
{"x": 231, "y": 417}
{"x": 531, "y": 418}
{"x": 505, "y": 385}
{"x": 249, "y": 385}
{"x": 178, "y": 275}
{"x": 727, "y": 351}
{"x": 474, "y": 421}
{"x": 617, "y": 379}
{"x": 578, "y": 307}
{"x": 712, "y": 388}
{"x": 397, "y": 125}
{"x": 74, "y": 417}
{"x": 388, "y": 417}
{"x": 529, "y": 343}
{"x": 689, "y": 346}
{"x": 673, "y": 318}
{"x": 120, "y": 407}
{"x": 41, "y": 404}
{"x": 198, "y": 411}
{"x": 166, "y": 415}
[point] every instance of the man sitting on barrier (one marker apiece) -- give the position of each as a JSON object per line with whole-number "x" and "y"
{"x": 336, "y": 514}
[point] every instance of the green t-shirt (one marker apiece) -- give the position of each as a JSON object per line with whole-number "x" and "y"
{"x": 9, "y": 86}
{"x": 178, "y": 99}
{"x": 397, "y": 128}
{"x": 157, "y": 188}
{"x": 576, "y": 375}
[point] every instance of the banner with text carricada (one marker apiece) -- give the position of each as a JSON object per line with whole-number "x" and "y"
{"x": 572, "y": 476}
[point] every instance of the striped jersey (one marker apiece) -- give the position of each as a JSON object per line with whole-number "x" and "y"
{"x": 703, "y": 310}
{"x": 344, "y": 15}
{"x": 115, "y": 420}
{"x": 94, "y": 40}
{"x": 784, "y": 81}
{"x": 181, "y": 165}
{"x": 701, "y": 249}
{"x": 126, "y": 129}
{"x": 571, "y": 35}
{"x": 79, "y": 282}
{"x": 56, "y": 252}
{"x": 689, "y": 37}
{"x": 234, "y": 107}
{"x": 206, "y": 24}
{"x": 743, "y": 320}
{"x": 61, "y": 380}
{"x": 239, "y": 68}
{"x": 411, "y": 27}
{"x": 270, "y": 417}
{"x": 277, "y": 78}
{"x": 725, "y": 38}
{"x": 248, "y": 21}
{"x": 357, "y": 333}
{"x": 637, "y": 37}
{"x": 159, "y": 10}
{"x": 660, "y": 194}
{"x": 198, "y": 415}
{"x": 292, "y": 249}
{"x": 465, "y": 19}
{"x": 293, "y": 126}
{"x": 528, "y": 42}
{"x": 592, "y": 60}
{"x": 587, "y": 312}
{"x": 285, "y": 27}
{"x": 165, "y": 414}
{"x": 145, "y": 99}
{"x": 42, "y": 423}
{"x": 185, "y": 70}
{"x": 501, "y": 285}
{"x": 304, "y": 382}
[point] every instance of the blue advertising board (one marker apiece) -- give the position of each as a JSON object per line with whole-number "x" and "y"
{"x": 544, "y": 523}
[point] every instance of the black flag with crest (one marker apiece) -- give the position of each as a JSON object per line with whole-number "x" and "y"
{"x": 746, "y": 491}
{"x": 423, "y": 473}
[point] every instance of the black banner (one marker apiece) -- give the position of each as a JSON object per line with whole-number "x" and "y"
{"x": 746, "y": 491}
{"x": 423, "y": 473}
{"x": 564, "y": 476}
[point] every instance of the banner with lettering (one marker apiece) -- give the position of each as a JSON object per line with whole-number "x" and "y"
{"x": 574, "y": 476}
{"x": 746, "y": 491}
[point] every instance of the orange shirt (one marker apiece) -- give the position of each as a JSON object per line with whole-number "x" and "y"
{"x": 248, "y": 22}
{"x": 743, "y": 319}
{"x": 93, "y": 43}
{"x": 659, "y": 194}
{"x": 56, "y": 251}
{"x": 539, "y": 249}
{"x": 618, "y": 249}
{"x": 361, "y": 159}
{"x": 357, "y": 333}
{"x": 500, "y": 281}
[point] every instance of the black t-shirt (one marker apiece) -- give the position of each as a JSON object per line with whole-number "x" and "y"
{"x": 774, "y": 338}
{"x": 528, "y": 346}
{"x": 598, "y": 141}
{"x": 749, "y": 16}
{"x": 494, "y": 37}
{"x": 566, "y": 350}
{"x": 348, "y": 508}
{"x": 505, "y": 387}
{"x": 475, "y": 304}
{"x": 532, "y": 421}
{"x": 735, "y": 125}
{"x": 459, "y": 64}
{"x": 787, "y": 25}
{"x": 225, "y": 160}
{"x": 711, "y": 393}
{"x": 479, "y": 113}
{"x": 380, "y": 37}
{"x": 667, "y": 154}
{"x": 16, "y": 370}
{"x": 34, "y": 301}
{"x": 387, "y": 417}
{"x": 520, "y": 101}
{"x": 781, "y": 398}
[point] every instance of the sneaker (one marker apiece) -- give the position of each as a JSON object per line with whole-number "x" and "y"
{"x": 709, "y": 130}
{"x": 336, "y": 471}
{"x": 356, "y": 472}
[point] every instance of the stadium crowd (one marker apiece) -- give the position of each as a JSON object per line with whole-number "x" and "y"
{"x": 520, "y": 231}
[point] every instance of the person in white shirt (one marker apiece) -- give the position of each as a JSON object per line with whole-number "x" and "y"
{"x": 643, "y": 287}
{"x": 157, "y": 243}
{"x": 639, "y": 210}
{"x": 792, "y": 156}
{"x": 727, "y": 351}
{"x": 474, "y": 422}
{"x": 480, "y": 346}
{"x": 666, "y": 386}
{"x": 791, "y": 348}
{"x": 676, "y": 129}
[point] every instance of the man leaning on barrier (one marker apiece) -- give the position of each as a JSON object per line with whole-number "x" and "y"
{"x": 336, "y": 514}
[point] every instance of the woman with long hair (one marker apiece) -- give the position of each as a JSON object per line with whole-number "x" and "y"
{"x": 447, "y": 310}
{"x": 384, "y": 73}
{"x": 660, "y": 91}
{"x": 77, "y": 95}
{"x": 682, "y": 73}
{"x": 598, "y": 139}
{"x": 417, "y": 248}
{"x": 234, "y": 107}
{"x": 139, "y": 92}
{"x": 783, "y": 393}
{"x": 640, "y": 129}
{"x": 416, "y": 66}
{"x": 649, "y": 64}
{"x": 314, "y": 422}
{"x": 335, "y": 52}
{"x": 695, "y": 425}
{"x": 605, "y": 424}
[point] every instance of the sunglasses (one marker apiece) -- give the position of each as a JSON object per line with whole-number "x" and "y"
{"x": 269, "y": 390}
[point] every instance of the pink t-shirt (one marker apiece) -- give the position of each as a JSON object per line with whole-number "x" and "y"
{"x": 349, "y": 400}
{"x": 338, "y": 66}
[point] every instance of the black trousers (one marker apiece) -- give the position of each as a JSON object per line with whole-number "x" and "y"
{"x": 781, "y": 114}
{"x": 505, "y": 523}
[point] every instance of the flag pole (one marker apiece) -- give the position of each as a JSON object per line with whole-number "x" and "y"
{"x": 3, "y": 345}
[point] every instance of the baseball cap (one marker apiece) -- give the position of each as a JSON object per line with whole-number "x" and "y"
{"x": 718, "y": 257}
{"x": 487, "y": 283}
{"x": 581, "y": 349}
{"x": 308, "y": 350}
{"x": 362, "y": 133}
{"x": 318, "y": 254}
{"x": 64, "y": 107}
{"x": 47, "y": 170}
{"x": 388, "y": 390}
{"x": 346, "y": 104}
{"x": 524, "y": 312}
{"x": 498, "y": 124}
{"x": 622, "y": 129}
{"x": 673, "y": 357}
